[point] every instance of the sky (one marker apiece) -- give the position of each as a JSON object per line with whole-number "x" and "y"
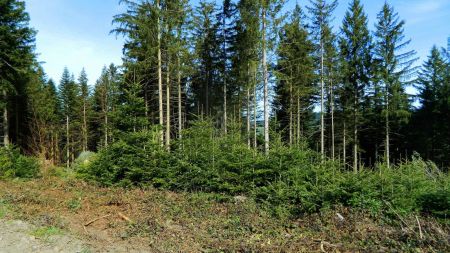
{"x": 76, "y": 33}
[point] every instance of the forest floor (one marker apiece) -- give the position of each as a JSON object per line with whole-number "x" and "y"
{"x": 56, "y": 215}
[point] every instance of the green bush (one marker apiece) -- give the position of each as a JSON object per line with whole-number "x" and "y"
{"x": 15, "y": 165}
{"x": 134, "y": 160}
{"x": 289, "y": 180}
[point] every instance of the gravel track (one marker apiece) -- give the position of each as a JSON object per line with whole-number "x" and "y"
{"x": 18, "y": 236}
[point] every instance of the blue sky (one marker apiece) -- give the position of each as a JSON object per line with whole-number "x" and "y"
{"x": 75, "y": 33}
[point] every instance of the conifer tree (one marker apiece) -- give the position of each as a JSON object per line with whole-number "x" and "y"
{"x": 84, "y": 97}
{"x": 68, "y": 94}
{"x": 16, "y": 60}
{"x": 295, "y": 73}
{"x": 394, "y": 69}
{"x": 321, "y": 13}
{"x": 355, "y": 48}
{"x": 429, "y": 131}
{"x": 269, "y": 23}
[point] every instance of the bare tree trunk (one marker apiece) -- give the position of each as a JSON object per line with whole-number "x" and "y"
{"x": 291, "y": 121}
{"x": 5, "y": 122}
{"x": 68, "y": 142}
{"x": 255, "y": 105}
{"x": 168, "y": 106}
{"x": 332, "y": 120}
{"x": 355, "y": 134}
{"x": 266, "y": 84}
{"x": 387, "y": 131}
{"x": 160, "y": 85}
{"x": 180, "y": 116}
{"x": 224, "y": 75}
{"x": 322, "y": 120}
{"x": 344, "y": 145}
{"x": 85, "y": 132}
{"x": 298, "y": 120}
{"x": 248, "y": 118}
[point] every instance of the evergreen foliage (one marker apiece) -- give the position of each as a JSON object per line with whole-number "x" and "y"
{"x": 189, "y": 109}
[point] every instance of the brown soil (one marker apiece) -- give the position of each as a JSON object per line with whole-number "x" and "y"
{"x": 150, "y": 220}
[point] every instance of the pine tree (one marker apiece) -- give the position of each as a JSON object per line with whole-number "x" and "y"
{"x": 43, "y": 105}
{"x": 429, "y": 129}
{"x": 321, "y": 13}
{"x": 244, "y": 60}
{"x": 394, "y": 68}
{"x": 269, "y": 24}
{"x": 295, "y": 73}
{"x": 355, "y": 48}
{"x": 16, "y": 60}
{"x": 69, "y": 93}
{"x": 84, "y": 97}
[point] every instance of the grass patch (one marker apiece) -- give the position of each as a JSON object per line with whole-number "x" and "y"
{"x": 46, "y": 232}
{"x": 4, "y": 208}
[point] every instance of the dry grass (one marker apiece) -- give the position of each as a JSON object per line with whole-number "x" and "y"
{"x": 160, "y": 221}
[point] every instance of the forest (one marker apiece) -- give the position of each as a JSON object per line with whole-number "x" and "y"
{"x": 239, "y": 97}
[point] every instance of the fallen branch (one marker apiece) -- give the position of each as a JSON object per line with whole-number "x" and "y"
{"x": 121, "y": 215}
{"x": 420, "y": 227}
{"x": 96, "y": 219}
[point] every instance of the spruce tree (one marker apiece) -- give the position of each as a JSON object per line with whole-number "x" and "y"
{"x": 295, "y": 76}
{"x": 394, "y": 69}
{"x": 69, "y": 98}
{"x": 321, "y": 13}
{"x": 16, "y": 60}
{"x": 84, "y": 97}
{"x": 429, "y": 131}
{"x": 355, "y": 48}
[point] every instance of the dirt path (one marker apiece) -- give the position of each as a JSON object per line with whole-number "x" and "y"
{"x": 19, "y": 236}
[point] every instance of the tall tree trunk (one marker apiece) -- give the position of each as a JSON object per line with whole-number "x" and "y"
{"x": 344, "y": 145}
{"x": 224, "y": 74}
{"x": 291, "y": 108}
{"x": 266, "y": 84}
{"x": 168, "y": 106}
{"x": 387, "y": 130}
{"x": 355, "y": 133}
{"x": 85, "y": 132}
{"x": 180, "y": 115}
{"x": 160, "y": 85}
{"x": 332, "y": 120}
{"x": 255, "y": 105}
{"x": 68, "y": 142}
{"x": 106, "y": 110}
{"x": 322, "y": 88}
{"x": 298, "y": 120}
{"x": 248, "y": 118}
{"x": 5, "y": 121}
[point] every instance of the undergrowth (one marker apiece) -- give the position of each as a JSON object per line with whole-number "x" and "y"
{"x": 289, "y": 180}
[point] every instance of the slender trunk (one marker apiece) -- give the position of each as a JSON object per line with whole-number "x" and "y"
{"x": 298, "y": 120}
{"x": 291, "y": 121}
{"x": 355, "y": 133}
{"x": 266, "y": 84}
{"x": 68, "y": 142}
{"x": 207, "y": 94}
{"x": 332, "y": 120}
{"x": 387, "y": 131}
{"x": 322, "y": 120}
{"x": 255, "y": 105}
{"x": 180, "y": 116}
{"x": 344, "y": 145}
{"x": 85, "y": 132}
{"x": 248, "y": 118}
{"x": 160, "y": 85}
{"x": 5, "y": 121}
{"x": 106, "y": 112}
{"x": 224, "y": 75}
{"x": 168, "y": 106}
